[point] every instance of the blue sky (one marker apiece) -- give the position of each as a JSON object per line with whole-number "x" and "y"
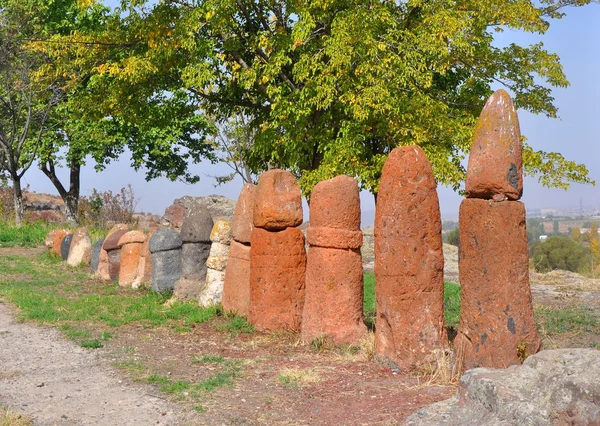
{"x": 574, "y": 38}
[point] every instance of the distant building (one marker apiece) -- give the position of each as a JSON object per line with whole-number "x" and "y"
{"x": 543, "y": 237}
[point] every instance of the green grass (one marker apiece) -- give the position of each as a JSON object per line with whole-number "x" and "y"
{"x": 230, "y": 370}
{"x": 555, "y": 321}
{"x": 236, "y": 325}
{"x": 28, "y": 235}
{"x": 46, "y": 291}
{"x": 208, "y": 359}
{"x": 451, "y": 302}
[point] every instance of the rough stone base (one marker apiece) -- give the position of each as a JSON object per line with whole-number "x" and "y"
{"x": 212, "y": 292}
{"x": 187, "y": 289}
{"x": 333, "y": 307}
{"x": 277, "y": 267}
{"x": 166, "y": 267}
{"x": 497, "y": 327}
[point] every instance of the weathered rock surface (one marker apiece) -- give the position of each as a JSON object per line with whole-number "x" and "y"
{"x": 131, "y": 253}
{"x": 242, "y": 225}
{"x": 197, "y": 226}
{"x": 165, "y": 246}
{"x": 554, "y": 387}
{"x": 333, "y": 306}
{"x": 65, "y": 246}
{"x": 236, "y": 283}
{"x": 277, "y": 201}
{"x": 277, "y": 268}
{"x": 495, "y": 169}
{"x": 211, "y": 292}
{"x": 113, "y": 253}
{"x": 496, "y": 321}
{"x": 81, "y": 248}
{"x": 409, "y": 261}
{"x": 103, "y": 272}
{"x": 95, "y": 259}
{"x": 195, "y": 233}
{"x": 220, "y": 208}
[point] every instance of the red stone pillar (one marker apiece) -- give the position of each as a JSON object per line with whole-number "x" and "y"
{"x": 333, "y": 306}
{"x": 236, "y": 287}
{"x": 409, "y": 261}
{"x": 497, "y": 326}
{"x": 277, "y": 254}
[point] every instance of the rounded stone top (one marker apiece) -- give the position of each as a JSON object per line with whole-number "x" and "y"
{"x": 196, "y": 227}
{"x": 221, "y": 232}
{"x": 112, "y": 240}
{"x": 241, "y": 227}
{"x": 132, "y": 237}
{"x": 495, "y": 169}
{"x": 118, "y": 227}
{"x": 335, "y": 203}
{"x": 164, "y": 239}
{"x": 277, "y": 201}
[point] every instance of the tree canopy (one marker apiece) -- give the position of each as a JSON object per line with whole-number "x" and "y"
{"x": 325, "y": 87}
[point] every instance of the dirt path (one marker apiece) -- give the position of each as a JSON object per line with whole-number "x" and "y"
{"x": 57, "y": 382}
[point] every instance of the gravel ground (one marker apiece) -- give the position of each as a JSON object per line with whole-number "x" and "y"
{"x": 57, "y": 382}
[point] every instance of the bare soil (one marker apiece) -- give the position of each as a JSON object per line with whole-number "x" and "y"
{"x": 57, "y": 382}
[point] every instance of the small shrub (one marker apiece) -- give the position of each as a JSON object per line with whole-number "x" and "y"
{"x": 103, "y": 209}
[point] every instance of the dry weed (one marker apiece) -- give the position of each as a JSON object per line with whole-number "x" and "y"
{"x": 10, "y": 418}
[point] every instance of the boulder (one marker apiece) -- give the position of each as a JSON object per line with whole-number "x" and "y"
{"x": 220, "y": 208}
{"x": 497, "y": 326}
{"x": 333, "y": 307}
{"x": 103, "y": 272}
{"x": 236, "y": 283}
{"x": 409, "y": 261}
{"x": 57, "y": 237}
{"x": 81, "y": 248}
{"x": 165, "y": 246}
{"x": 196, "y": 227}
{"x": 65, "y": 246}
{"x": 241, "y": 227}
{"x": 212, "y": 291}
{"x": 277, "y": 268}
{"x": 95, "y": 258}
{"x": 495, "y": 169}
{"x": 131, "y": 253}
{"x": 113, "y": 253}
{"x": 277, "y": 201}
{"x": 554, "y": 387}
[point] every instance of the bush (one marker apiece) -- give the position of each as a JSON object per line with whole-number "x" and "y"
{"x": 561, "y": 253}
{"x": 104, "y": 209}
{"x": 451, "y": 237}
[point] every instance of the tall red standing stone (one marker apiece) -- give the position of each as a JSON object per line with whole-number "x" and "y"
{"x": 277, "y": 201}
{"x": 496, "y": 313}
{"x": 333, "y": 305}
{"x": 409, "y": 261}
{"x": 236, "y": 287}
{"x": 277, "y": 267}
{"x": 496, "y": 161}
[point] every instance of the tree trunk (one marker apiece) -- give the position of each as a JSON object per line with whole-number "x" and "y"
{"x": 18, "y": 201}
{"x": 71, "y": 197}
{"x": 71, "y": 204}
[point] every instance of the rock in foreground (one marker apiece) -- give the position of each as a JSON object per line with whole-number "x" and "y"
{"x": 554, "y": 387}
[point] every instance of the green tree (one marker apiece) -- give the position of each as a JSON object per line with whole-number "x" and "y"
{"x": 451, "y": 237}
{"x": 331, "y": 87}
{"x": 556, "y": 227}
{"x": 561, "y": 253}
{"x": 576, "y": 235}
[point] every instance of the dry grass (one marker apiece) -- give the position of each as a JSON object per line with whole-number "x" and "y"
{"x": 10, "y": 418}
{"x": 296, "y": 377}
